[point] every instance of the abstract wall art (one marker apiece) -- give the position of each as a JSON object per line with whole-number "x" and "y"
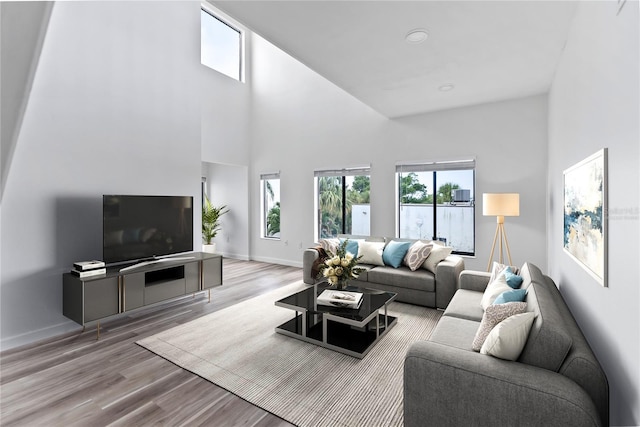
{"x": 585, "y": 214}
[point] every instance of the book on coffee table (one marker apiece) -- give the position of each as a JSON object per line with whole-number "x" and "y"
{"x": 346, "y": 299}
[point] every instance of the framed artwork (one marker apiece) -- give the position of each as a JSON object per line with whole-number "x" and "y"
{"x": 585, "y": 214}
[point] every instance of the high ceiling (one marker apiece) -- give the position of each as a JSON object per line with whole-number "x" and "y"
{"x": 488, "y": 50}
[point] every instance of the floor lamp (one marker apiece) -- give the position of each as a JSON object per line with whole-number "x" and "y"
{"x": 500, "y": 205}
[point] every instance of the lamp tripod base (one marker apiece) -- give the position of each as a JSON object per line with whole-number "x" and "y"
{"x": 499, "y": 237}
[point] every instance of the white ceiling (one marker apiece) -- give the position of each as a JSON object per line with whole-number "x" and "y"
{"x": 490, "y": 50}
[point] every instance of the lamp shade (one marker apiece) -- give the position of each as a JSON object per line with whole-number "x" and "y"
{"x": 501, "y": 204}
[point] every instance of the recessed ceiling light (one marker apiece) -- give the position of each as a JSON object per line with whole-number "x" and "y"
{"x": 416, "y": 36}
{"x": 446, "y": 87}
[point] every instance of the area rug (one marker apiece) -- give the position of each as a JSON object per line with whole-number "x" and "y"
{"x": 238, "y": 349}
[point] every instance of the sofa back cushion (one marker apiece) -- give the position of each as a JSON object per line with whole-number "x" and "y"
{"x": 549, "y": 341}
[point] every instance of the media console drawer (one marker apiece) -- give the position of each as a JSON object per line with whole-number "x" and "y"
{"x": 161, "y": 291}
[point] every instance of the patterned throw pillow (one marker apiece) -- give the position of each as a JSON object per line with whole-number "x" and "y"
{"x": 493, "y": 315}
{"x": 416, "y": 254}
{"x": 330, "y": 245}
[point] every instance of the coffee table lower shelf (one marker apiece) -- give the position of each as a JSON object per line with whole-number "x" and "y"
{"x": 352, "y": 340}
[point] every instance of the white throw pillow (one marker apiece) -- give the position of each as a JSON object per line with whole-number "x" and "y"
{"x": 495, "y": 288}
{"x": 371, "y": 252}
{"x": 507, "y": 339}
{"x": 437, "y": 254}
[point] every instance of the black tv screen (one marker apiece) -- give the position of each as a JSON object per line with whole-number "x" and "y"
{"x": 142, "y": 227}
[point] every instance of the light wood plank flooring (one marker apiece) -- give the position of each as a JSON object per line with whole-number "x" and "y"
{"x": 75, "y": 380}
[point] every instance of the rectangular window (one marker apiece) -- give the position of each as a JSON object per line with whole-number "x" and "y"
{"x": 221, "y": 45}
{"x": 270, "y": 195}
{"x": 436, "y": 201}
{"x": 342, "y": 202}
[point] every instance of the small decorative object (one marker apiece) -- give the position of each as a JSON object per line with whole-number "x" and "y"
{"x": 211, "y": 223}
{"x": 585, "y": 220}
{"x": 340, "y": 267}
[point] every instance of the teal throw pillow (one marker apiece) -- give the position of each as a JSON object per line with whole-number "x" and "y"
{"x": 514, "y": 295}
{"x": 394, "y": 253}
{"x": 513, "y": 280}
{"x": 352, "y": 246}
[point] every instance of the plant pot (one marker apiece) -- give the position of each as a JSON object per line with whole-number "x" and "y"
{"x": 211, "y": 249}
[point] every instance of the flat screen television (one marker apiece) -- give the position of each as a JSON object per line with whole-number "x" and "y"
{"x": 139, "y": 228}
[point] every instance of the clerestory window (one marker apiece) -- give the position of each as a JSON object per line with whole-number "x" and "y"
{"x": 221, "y": 45}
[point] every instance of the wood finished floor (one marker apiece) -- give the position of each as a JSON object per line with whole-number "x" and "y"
{"x": 75, "y": 380}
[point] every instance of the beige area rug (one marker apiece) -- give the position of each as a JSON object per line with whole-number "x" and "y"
{"x": 307, "y": 385}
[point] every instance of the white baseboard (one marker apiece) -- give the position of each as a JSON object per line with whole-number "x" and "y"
{"x": 279, "y": 261}
{"x": 32, "y": 337}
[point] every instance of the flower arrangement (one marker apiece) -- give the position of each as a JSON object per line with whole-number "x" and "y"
{"x": 340, "y": 266}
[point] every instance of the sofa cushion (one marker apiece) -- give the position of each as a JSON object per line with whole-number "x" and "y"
{"x": 371, "y": 252}
{"x": 465, "y": 304}
{"x": 455, "y": 332}
{"x": 403, "y": 277}
{"x": 507, "y": 339}
{"x": 417, "y": 254}
{"x": 437, "y": 254}
{"x": 493, "y": 315}
{"x": 394, "y": 253}
{"x": 549, "y": 342}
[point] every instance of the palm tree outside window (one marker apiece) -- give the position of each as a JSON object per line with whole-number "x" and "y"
{"x": 342, "y": 202}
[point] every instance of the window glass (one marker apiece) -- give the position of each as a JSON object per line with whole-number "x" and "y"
{"x": 436, "y": 202}
{"x": 343, "y": 202}
{"x": 221, "y": 45}
{"x": 270, "y": 185}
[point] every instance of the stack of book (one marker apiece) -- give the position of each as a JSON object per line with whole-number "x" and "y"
{"x": 84, "y": 269}
{"x": 345, "y": 299}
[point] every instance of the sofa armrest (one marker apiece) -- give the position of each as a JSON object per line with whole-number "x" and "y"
{"x": 447, "y": 272}
{"x": 309, "y": 256}
{"x": 474, "y": 280}
{"x": 451, "y": 387}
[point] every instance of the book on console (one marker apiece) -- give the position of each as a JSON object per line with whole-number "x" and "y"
{"x": 88, "y": 265}
{"x": 90, "y": 273}
{"x": 333, "y": 298}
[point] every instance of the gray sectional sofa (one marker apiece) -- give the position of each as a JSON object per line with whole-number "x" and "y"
{"x": 420, "y": 287}
{"x": 556, "y": 380}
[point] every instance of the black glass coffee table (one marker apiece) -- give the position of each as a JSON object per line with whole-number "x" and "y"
{"x": 346, "y": 330}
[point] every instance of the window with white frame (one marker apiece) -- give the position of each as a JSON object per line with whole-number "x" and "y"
{"x": 270, "y": 195}
{"x": 436, "y": 201}
{"x": 221, "y": 45}
{"x": 342, "y": 202}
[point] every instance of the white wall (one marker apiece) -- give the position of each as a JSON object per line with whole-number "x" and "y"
{"x": 593, "y": 104}
{"x": 114, "y": 108}
{"x": 227, "y": 185}
{"x": 302, "y": 122}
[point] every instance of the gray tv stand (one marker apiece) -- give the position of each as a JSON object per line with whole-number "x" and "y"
{"x": 90, "y": 299}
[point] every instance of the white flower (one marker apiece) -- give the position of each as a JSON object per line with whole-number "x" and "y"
{"x": 335, "y": 260}
{"x": 338, "y": 271}
{"x": 328, "y": 272}
{"x": 333, "y": 280}
{"x": 349, "y": 256}
{"x": 344, "y": 262}
{"x": 328, "y": 261}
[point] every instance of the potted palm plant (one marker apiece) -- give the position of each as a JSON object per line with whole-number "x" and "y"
{"x": 211, "y": 223}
